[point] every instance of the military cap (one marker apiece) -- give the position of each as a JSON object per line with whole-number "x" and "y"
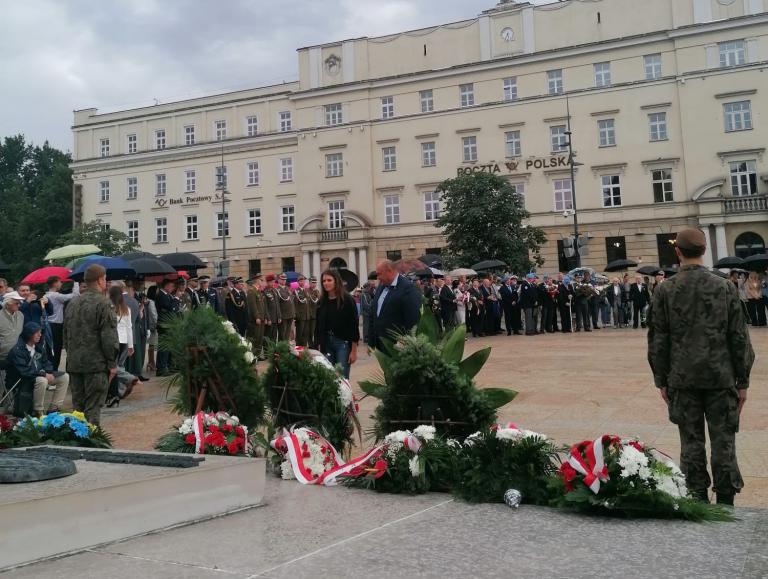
{"x": 270, "y": 277}
{"x": 283, "y": 276}
{"x": 691, "y": 239}
{"x": 203, "y": 278}
{"x": 300, "y": 277}
{"x": 237, "y": 280}
{"x": 194, "y": 278}
{"x": 313, "y": 279}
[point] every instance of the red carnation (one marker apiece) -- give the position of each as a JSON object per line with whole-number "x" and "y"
{"x": 233, "y": 448}
{"x": 568, "y": 473}
{"x": 637, "y": 445}
{"x": 189, "y": 439}
{"x": 239, "y": 431}
{"x": 226, "y": 428}
{"x": 305, "y": 455}
{"x": 380, "y": 468}
{"x": 213, "y": 428}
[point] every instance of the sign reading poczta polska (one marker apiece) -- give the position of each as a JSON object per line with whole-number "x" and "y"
{"x": 519, "y": 165}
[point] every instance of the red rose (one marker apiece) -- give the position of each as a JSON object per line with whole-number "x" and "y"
{"x": 233, "y": 448}
{"x": 379, "y": 469}
{"x": 213, "y": 428}
{"x": 239, "y": 431}
{"x": 226, "y": 428}
{"x": 189, "y": 439}
{"x": 569, "y": 474}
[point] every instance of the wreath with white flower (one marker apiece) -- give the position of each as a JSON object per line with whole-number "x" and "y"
{"x": 207, "y": 433}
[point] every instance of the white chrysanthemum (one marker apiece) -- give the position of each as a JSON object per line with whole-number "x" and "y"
{"x": 413, "y": 464}
{"x": 286, "y": 470}
{"x": 345, "y": 393}
{"x": 229, "y": 326}
{"x": 425, "y": 432}
{"x": 396, "y": 437}
{"x": 509, "y": 434}
{"x": 453, "y": 443}
{"x": 249, "y": 357}
{"x": 470, "y": 440}
{"x": 233, "y": 421}
{"x": 634, "y": 462}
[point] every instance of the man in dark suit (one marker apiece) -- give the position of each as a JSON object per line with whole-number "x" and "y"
{"x": 529, "y": 296}
{"x": 640, "y": 297}
{"x": 448, "y": 304}
{"x": 509, "y": 300}
{"x": 206, "y": 294}
{"x": 396, "y": 305}
{"x": 564, "y": 302}
{"x": 167, "y": 306}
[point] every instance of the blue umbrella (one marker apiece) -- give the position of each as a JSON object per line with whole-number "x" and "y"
{"x": 117, "y": 268}
{"x": 292, "y": 276}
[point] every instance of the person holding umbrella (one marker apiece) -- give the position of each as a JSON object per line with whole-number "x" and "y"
{"x": 56, "y": 320}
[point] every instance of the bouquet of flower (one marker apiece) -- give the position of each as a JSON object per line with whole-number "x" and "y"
{"x": 407, "y": 462}
{"x": 307, "y": 456}
{"x": 6, "y": 431}
{"x": 60, "y": 429}
{"x": 207, "y": 433}
{"x": 611, "y": 476}
{"x": 502, "y": 457}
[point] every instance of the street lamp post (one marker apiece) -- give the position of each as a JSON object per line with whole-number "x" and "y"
{"x": 222, "y": 187}
{"x": 572, "y": 163}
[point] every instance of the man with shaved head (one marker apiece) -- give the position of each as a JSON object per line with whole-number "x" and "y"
{"x": 396, "y": 305}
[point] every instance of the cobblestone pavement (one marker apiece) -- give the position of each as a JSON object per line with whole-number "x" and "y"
{"x": 571, "y": 387}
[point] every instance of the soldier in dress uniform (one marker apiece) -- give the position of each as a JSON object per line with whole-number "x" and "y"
{"x": 192, "y": 298}
{"x": 208, "y": 296}
{"x": 701, "y": 357}
{"x": 287, "y": 311}
{"x": 301, "y": 307}
{"x": 273, "y": 309}
{"x": 237, "y": 307}
{"x": 313, "y": 299}
{"x": 257, "y": 315}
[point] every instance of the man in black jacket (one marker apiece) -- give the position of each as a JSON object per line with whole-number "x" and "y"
{"x": 167, "y": 306}
{"x": 448, "y": 304}
{"x": 528, "y": 301}
{"x": 396, "y": 305}
{"x": 640, "y": 297}
{"x": 510, "y": 301}
{"x": 564, "y": 302}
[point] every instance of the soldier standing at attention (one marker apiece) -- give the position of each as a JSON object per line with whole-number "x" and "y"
{"x": 208, "y": 295}
{"x": 237, "y": 307}
{"x": 287, "y": 311}
{"x": 90, "y": 339}
{"x": 313, "y": 297}
{"x": 273, "y": 309}
{"x": 301, "y": 307}
{"x": 257, "y": 314}
{"x": 701, "y": 357}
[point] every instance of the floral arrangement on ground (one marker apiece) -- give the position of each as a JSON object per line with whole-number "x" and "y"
{"x": 207, "y": 433}
{"x": 56, "y": 428}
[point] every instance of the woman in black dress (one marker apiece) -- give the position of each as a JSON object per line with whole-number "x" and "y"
{"x": 337, "y": 332}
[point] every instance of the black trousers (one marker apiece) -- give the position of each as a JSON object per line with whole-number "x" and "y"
{"x": 565, "y": 317}
{"x": 548, "y": 318}
{"x": 512, "y": 319}
{"x": 475, "y": 318}
{"x": 756, "y": 311}
{"x": 582, "y": 315}
{"x": 594, "y": 311}
{"x": 57, "y": 331}
{"x": 635, "y": 314}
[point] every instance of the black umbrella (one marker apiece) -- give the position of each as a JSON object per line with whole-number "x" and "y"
{"x": 730, "y": 262}
{"x": 648, "y": 270}
{"x": 137, "y": 254}
{"x": 432, "y": 260}
{"x": 670, "y": 271}
{"x": 488, "y": 264}
{"x": 183, "y": 261}
{"x": 145, "y": 266}
{"x": 620, "y": 265}
{"x": 350, "y": 278}
{"x": 4, "y": 267}
{"x": 372, "y": 276}
{"x": 719, "y": 273}
{"x": 757, "y": 262}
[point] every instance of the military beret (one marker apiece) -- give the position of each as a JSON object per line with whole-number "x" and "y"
{"x": 691, "y": 239}
{"x": 283, "y": 276}
{"x": 270, "y": 277}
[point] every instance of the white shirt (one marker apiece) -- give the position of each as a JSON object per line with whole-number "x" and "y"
{"x": 384, "y": 293}
{"x": 58, "y": 300}
{"x": 125, "y": 329}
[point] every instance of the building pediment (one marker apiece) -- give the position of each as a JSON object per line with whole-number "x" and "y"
{"x": 710, "y": 191}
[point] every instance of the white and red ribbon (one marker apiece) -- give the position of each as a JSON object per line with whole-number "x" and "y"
{"x": 592, "y": 464}
{"x": 198, "y": 427}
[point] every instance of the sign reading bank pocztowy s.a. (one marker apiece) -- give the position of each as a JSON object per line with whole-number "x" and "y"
{"x": 188, "y": 200}
{"x": 518, "y": 165}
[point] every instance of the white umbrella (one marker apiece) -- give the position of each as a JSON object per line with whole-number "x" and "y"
{"x": 463, "y": 271}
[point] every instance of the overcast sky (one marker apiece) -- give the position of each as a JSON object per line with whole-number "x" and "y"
{"x": 61, "y": 55}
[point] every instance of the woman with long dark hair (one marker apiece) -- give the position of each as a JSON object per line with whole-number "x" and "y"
{"x": 337, "y": 332}
{"x": 125, "y": 337}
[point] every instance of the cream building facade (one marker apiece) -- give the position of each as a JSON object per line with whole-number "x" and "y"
{"x": 668, "y": 114}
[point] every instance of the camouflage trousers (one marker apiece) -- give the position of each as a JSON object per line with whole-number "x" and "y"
{"x": 690, "y": 410}
{"x": 256, "y": 335}
{"x": 89, "y": 392}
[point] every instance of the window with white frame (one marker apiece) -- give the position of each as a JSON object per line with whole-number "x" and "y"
{"x": 254, "y": 221}
{"x": 431, "y": 205}
{"x": 104, "y": 191}
{"x": 657, "y": 123}
{"x": 253, "y": 173}
{"x": 391, "y": 209}
{"x": 333, "y": 114}
{"x": 467, "y": 95}
{"x": 220, "y": 176}
{"x": 738, "y": 116}
{"x": 606, "y": 129}
{"x": 288, "y": 218}
{"x": 189, "y": 135}
{"x": 220, "y": 130}
{"x": 133, "y": 188}
{"x": 602, "y": 73}
{"x": 222, "y": 224}
{"x": 104, "y": 227}
{"x": 190, "y": 181}
{"x": 285, "y": 121}
{"x": 743, "y": 178}
{"x": 336, "y": 215}
{"x": 611, "y": 185}
{"x": 161, "y": 230}
{"x": 652, "y": 65}
{"x": 563, "y": 194}
{"x": 190, "y": 228}
{"x": 132, "y": 231}
{"x": 132, "y": 144}
{"x": 160, "y": 184}
{"x": 509, "y": 86}
{"x": 558, "y": 138}
{"x": 334, "y": 165}
{"x": 661, "y": 180}
{"x": 251, "y": 126}
{"x": 286, "y": 170}
{"x": 520, "y": 190}
{"x": 732, "y": 53}
{"x": 389, "y": 157}
{"x": 428, "y": 154}
{"x": 105, "y": 147}
{"x": 512, "y": 145}
{"x": 555, "y": 81}
{"x": 427, "y": 101}
{"x": 160, "y": 139}
{"x": 469, "y": 148}
{"x": 387, "y": 107}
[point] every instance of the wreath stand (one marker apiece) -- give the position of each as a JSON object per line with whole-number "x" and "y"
{"x": 435, "y": 417}
{"x": 199, "y": 387}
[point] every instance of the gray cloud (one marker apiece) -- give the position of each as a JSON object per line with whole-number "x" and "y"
{"x": 59, "y": 56}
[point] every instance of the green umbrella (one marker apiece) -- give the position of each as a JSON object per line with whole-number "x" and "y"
{"x": 71, "y": 251}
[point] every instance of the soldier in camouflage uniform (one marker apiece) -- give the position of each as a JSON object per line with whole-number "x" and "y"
{"x": 313, "y": 298}
{"x": 301, "y": 307}
{"x": 257, "y": 314}
{"x": 90, "y": 339}
{"x": 287, "y": 311}
{"x": 273, "y": 309}
{"x": 701, "y": 357}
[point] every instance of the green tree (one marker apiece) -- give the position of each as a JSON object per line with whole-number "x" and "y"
{"x": 482, "y": 218}
{"x": 36, "y": 202}
{"x": 110, "y": 241}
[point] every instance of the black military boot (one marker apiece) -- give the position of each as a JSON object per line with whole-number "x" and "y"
{"x": 701, "y": 495}
{"x": 725, "y": 499}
